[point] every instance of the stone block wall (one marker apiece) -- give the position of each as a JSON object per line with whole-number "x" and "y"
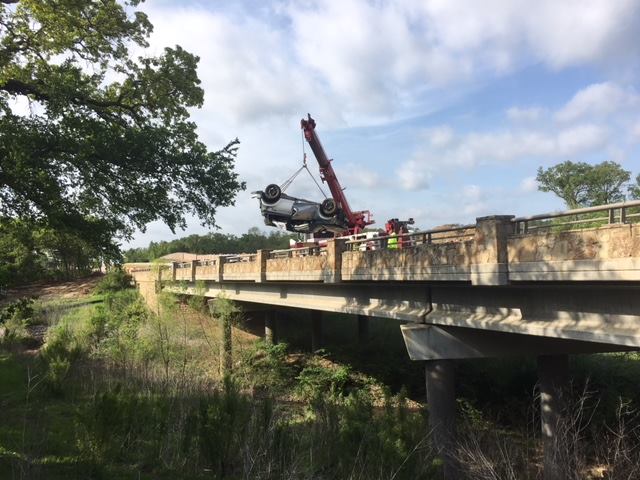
{"x": 302, "y": 268}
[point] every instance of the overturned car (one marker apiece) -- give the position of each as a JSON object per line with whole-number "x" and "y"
{"x": 298, "y": 214}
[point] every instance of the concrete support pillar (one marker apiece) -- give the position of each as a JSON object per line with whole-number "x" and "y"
{"x": 333, "y": 271}
{"x": 441, "y": 401}
{"x": 316, "y": 330}
{"x": 363, "y": 329}
{"x": 220, "y": 267}
{"x": 261, "y": 259}
{"x": 270, "y": 327}
{"x": 490, "y": 262}
{"x": 194, "y": 265}
{"x": 174, "y": 268}
{"x": 553, "y": 375}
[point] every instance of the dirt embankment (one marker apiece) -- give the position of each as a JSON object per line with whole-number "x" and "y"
{"x": 68, "y": 290}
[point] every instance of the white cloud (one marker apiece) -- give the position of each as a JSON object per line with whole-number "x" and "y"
{"x": 357, "y": 176}
{"x": 529, "y": 184}
{"x": 635, "y": 131}
{"x": 413, "y": 175}
{"x": 581, "y": 139}
{"x": 377, "y": 58}
{"x": 529, "y": 114}
{"x": 502, "y": 147}
{"x": 598, "y": 100}
{"x": 441, "y": 136}
{"x": 246, "y": 66}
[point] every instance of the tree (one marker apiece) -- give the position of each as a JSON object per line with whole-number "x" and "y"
{"x": 105, "y": 145}
{"x": 634, "y": 189}
{"x": 583, "y": 185}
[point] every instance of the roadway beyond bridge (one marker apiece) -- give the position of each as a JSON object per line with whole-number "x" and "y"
{"x": 548, "y": 285}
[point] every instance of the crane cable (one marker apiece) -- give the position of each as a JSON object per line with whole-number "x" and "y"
{"x": 304, "y": 166}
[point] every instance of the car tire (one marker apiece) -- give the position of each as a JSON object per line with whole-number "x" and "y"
{"x": 328, "y": 207}
{"x": 272, "y": 193}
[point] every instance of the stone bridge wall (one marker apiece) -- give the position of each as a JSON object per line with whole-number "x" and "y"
{"x": 610, "y": 252}
{"x": 493, "y": 255}
{"x": 300, "y": 268}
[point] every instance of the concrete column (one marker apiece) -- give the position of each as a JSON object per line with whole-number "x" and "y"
{"x": 261, "y": 258}
{"x": 220, "y": 267}
{"x": 553, "y": 374}
{"x": 174, "y": 267}
{"x": 363, "y": 329}
{"x": 194, "y": 264}
{"x": 441, "y": 401}
{"x": 270, "y": 327}
{"x": 489, "y": 263}
{"x": 316, "y": 330}
{"x": 333, "y": 272}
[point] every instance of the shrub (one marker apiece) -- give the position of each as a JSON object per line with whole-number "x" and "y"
{"x": 114, "y": 281}
{"x": 265, "y": 366}
{"x": 16, "y": 317}
{"x": 317, "y": 381}
{"x": 19, "y": 311}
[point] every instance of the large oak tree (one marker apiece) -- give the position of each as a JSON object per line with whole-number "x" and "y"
{"x": 580, "y": 184}
{"x": 95, "y": 139}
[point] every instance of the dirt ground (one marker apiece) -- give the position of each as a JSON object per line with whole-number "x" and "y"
{"x": 70, "y": 290}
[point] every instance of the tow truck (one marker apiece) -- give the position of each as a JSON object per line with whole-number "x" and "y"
{"x": 333, "y": 217}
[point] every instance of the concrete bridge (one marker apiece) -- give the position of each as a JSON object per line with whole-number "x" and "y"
{"x": 548, "y": 285}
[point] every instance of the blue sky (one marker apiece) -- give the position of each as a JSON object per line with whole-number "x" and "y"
{"x": 438, "y": 109}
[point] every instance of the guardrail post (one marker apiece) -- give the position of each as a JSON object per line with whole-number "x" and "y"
{"x": 194, "y": 264}
{"x": 261, "y": 260}
{"x": 489, "y": 263}
{"x": 174, "y": 268}
{"x": 333, "y": 272}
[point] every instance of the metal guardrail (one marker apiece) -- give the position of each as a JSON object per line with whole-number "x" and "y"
{"x": 413, "y": 239}
{"x": 311, "y": 251}
{"x": 614, "y": 213}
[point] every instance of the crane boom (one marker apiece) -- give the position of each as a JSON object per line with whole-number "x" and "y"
{"x": 357, "y": 220}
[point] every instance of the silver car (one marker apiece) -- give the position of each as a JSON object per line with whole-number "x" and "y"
{"x": 298, "y": 214}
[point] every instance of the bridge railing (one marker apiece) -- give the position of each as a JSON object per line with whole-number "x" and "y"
{"x": 310, "y": 251}
{"x": 414, "y": 239}
{"x": 589, "y": 217}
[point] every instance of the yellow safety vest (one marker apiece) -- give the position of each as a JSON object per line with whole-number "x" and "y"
{"x": 392, "y": 243}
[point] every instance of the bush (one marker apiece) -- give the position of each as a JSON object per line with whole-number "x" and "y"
{"x": 316, "y": 381}
{"x": 264, "y": 366}
{"x": 20, "y": 311}
{"x": 16, "y": 317}
{"x": 114, "y": 281}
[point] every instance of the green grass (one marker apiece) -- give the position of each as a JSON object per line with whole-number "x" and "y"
{"x": 119, "y": 393}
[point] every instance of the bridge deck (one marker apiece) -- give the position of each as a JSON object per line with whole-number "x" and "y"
{"x": 573, "y": 275}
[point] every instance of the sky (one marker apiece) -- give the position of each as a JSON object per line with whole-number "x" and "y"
{"x": 440, "y": 110}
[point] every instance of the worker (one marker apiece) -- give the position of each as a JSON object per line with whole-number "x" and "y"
{"x": 392, "y": 243}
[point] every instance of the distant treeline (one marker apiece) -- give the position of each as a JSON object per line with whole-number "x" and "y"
{"x": 211, "y": 243}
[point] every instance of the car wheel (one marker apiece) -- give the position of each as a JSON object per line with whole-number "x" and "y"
{"x": 272, "y": 193}
{"x": 328, "y": 207}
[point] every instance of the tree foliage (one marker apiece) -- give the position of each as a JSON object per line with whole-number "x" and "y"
{"x": 95, "y": 140}
{"x": 634, "y": 190}
{"x": 248, "y": 242}
{"x": 583, "y": 185}
{"x": 29, "y": 252}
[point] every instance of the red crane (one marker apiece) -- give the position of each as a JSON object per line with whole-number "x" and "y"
{"x": 357, "y": 220}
